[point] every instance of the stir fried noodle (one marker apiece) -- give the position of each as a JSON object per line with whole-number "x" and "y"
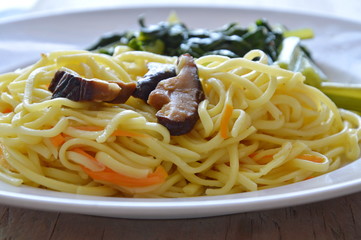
{"x": 259, "y": 127}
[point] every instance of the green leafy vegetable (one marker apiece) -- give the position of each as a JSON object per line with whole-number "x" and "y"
{"x": 174, "y": 39}
{"x": 347, "y": 96}
{"x": 293, "y": 57}
{"x": 283, "y": 46}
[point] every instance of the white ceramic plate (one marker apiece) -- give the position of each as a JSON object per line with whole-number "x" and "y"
{"x": 336, "y": 48}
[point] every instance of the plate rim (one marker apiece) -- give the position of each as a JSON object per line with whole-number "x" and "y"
{"x": 342, "y": 188}
{"x": 60, "y": 12}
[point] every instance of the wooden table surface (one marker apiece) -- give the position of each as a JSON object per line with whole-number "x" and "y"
{"x": 338, "y": 218}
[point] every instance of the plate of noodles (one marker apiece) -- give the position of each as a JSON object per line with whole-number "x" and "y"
{"x": 92, "y": 133}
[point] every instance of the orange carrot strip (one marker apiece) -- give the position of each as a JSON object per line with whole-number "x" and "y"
{"x": 225, "y": 120}
{"x": 57, "y": 140}
{"x": 65, "y": 135}
{"x": 308, "y": 178}
{"x": 124, "y": 133}
{"x": 252, "y": 155}
{"x": 7, "y": 110}
{"x": 108, "y": 175}
{"x": 312, "y": 158}
{"x": 90, "y": 157}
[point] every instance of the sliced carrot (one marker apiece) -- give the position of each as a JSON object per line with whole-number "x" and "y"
{"x": 160, "y": 172}
{"x": 89, "y": 156}
{"x": 226, "y": 117}
{"x": 267, "y": 156}
{"x": 123, "y": 133}
{"x": 66, "y": 135}
{"x": 312, "y": 158}
{"x": 108, "y": 175}
{"x": 57, "y": 140}
{"x": 252, "y": 155}
{"x": 7, "y": 110}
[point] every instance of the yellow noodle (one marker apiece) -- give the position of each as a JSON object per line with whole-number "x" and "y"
{"x": 275, "y": 118}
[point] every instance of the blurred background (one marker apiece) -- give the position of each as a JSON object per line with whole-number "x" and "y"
{"x": 349, "y": 9}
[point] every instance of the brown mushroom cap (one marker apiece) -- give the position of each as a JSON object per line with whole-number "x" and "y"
{"x": 68, "y": 84}
{"x": 177, "y": 98}
{"x": 156, "y": 73}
